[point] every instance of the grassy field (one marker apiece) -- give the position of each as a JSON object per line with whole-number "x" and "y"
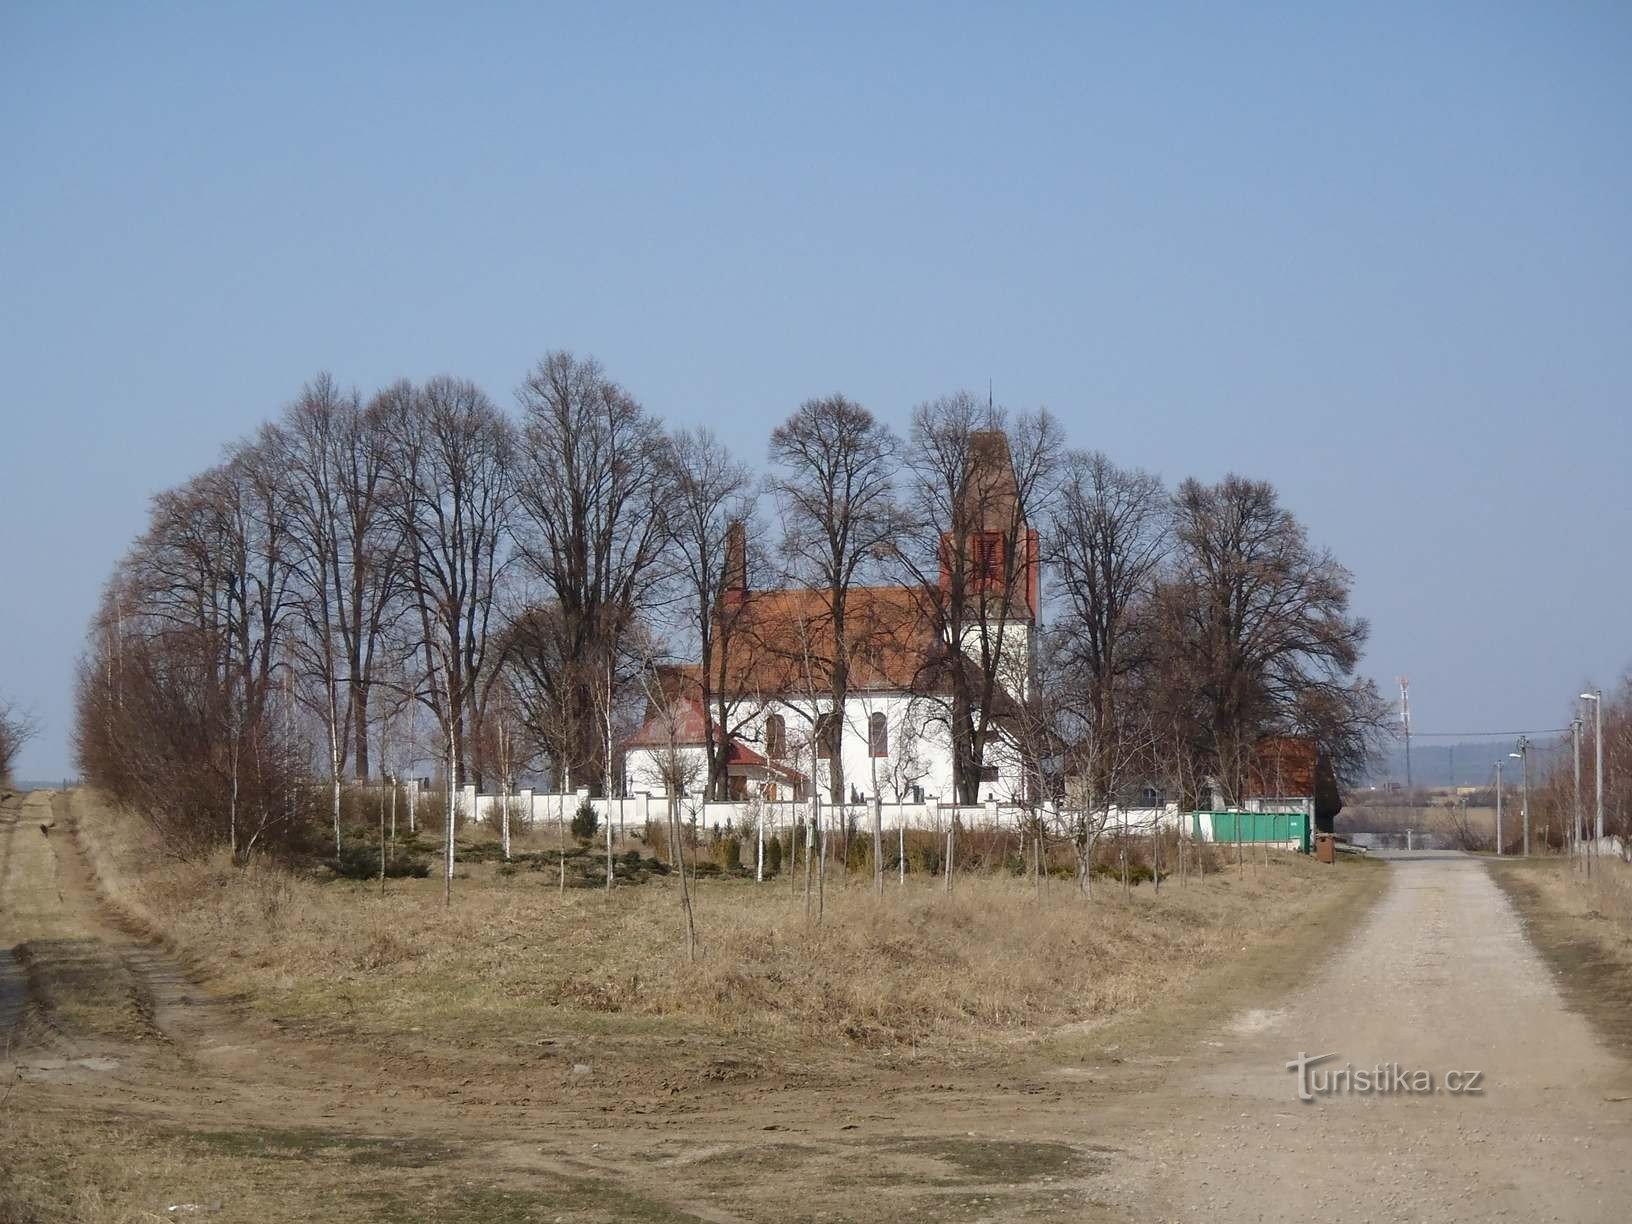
{"x": 529, "y": 1055}
{"x": 994, "y": 964}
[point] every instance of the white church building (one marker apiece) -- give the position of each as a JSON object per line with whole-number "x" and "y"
{"x": 893, "y": 741}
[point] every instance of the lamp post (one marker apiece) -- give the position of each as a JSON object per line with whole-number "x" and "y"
{"x": 1524, "y": 760}
{"x": 1597, "y": 699}
{"x": 1575, "y": 810}
{"x": 1498, "y": 809}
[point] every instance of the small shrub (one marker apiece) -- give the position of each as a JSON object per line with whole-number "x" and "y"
{"x": 728, "y": 851}
{"x": 479, "y": 852}
{"x": 773, "y": 856}
{"x": 585, "y": 822}
{"x": 361, "y": 861}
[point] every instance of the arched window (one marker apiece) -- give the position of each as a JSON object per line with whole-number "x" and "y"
{"x": 827, "y": 736}
{"x": 776, "y": 737}
{"x": 878, "y": 735}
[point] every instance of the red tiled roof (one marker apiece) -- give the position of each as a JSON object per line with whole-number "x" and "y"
{"x": 685, "y": 729}
{"x": 781, "y": 641}
{"x": 1282, "y": 765}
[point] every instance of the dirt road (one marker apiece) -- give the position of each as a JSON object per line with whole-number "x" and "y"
{"x": 1440, "y": 979}
{"x": 1191, "y": 1120}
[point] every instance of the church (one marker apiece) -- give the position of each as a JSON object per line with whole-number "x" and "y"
{"x": 893, "y": 739}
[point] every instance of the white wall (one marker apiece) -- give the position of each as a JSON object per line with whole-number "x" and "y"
{"x": 633, "y": 812}
{"x": 916, "y": 729}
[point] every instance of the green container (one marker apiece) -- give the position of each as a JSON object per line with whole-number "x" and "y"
{"x": 1279, "y": 828}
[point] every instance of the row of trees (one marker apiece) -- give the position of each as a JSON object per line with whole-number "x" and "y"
{"x": 17, "y": 727}
{"x": 366, "y": 583}
{"x": 1554, "y": 803}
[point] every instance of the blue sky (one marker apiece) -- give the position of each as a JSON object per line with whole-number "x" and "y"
{"x": 1380, "y": 256}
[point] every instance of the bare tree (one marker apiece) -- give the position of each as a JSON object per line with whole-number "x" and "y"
{"x": 177, "y": 703}
{"x": 979, "y": 479}
{"x": 17, "y": 727}
{"x": 349, "y": 548}
{"x": 710, "y": 507}
{"x": 907, "y": 764}
{"x": 679, "y": 770}
{"x": 592, "y": 535}
{"x": 836, "y": 466}
{"x": 1257, "y": 629}
{"x": 448, "y": 461}
{"x": 1107, "y": 539}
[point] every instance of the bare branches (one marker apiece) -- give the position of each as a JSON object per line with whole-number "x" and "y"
{"x": 710, "y": 510}
{"x": 1257, "y": 631}
{"x": 448, "y": 468}
{"x": 17, "y": 727}
{"x": 836, "y": 466}
{"x": 591, "y": 532}
{"x": 517, "y": 585}
{"x": 979, "y": 481}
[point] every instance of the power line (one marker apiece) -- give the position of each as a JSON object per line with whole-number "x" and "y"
{"x": 1415, "y": 734}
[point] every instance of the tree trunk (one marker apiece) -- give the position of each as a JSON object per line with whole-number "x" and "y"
{"x": 232, "y": 811}
{"x": 878, "y": 815}
{"x": 334, "y": 764}
{"x": 504, "y": 814}
{"x": 382, "y": 837}
{"x": 1037, "y": 852}
{"x": 679, "y": 840}
{"x": 359, "y": 697}
{"x": 606, "y": 786}
{"x": 810, "y": 845}
{"x": 452, "y": 813}
{"x": 821, "y": 864}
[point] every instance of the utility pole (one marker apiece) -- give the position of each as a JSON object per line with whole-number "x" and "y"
{"x": 1405, "y": 722}
{"x": 1575, "y": 808}
{"x": 1498, "y": 809}
{"x": 1597, "y": 699}
{"x": 1524, "y": 760}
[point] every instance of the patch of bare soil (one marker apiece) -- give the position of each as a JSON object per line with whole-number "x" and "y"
{"x": 131, "y": 1090}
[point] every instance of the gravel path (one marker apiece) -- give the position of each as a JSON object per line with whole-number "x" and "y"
{"x": 1441, "y": 978}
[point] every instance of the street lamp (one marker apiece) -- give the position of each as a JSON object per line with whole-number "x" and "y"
{"x": 1575, "y": 809}
{"x": 1524, "y": 758}
{"x": 1498, "y": 809}
{"x": 1597, "y": 699}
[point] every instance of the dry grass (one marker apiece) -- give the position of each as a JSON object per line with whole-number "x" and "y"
{"x": 992, "y": 965}
{"x": 1583, "y": 926}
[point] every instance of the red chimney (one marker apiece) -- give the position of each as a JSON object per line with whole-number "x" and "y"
{"x": 734, "y": 578}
